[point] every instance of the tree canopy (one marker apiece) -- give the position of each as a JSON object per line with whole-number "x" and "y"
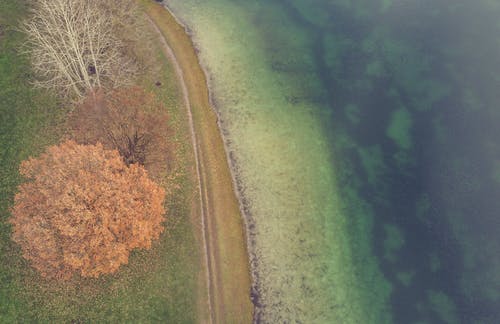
{"x": 83, "y": 209}
{"x": 80, "y": 45}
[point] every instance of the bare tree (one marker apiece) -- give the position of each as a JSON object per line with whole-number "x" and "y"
{"x": 75, "y": 45}
{"x": 130, "y": 120}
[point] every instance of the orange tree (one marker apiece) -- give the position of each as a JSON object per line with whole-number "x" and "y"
{"x": 83, "y": 209}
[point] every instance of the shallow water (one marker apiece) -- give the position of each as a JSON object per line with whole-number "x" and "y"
{"x": 366, "y": 150}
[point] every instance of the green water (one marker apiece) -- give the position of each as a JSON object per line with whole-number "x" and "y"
{"x": 364, "y": 138}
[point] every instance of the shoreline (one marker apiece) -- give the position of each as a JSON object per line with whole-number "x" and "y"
{"x": 224, "y": 216}
{"x": 237, "y": 183}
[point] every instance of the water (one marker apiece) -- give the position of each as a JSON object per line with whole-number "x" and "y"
{"x": 367, "y": 153}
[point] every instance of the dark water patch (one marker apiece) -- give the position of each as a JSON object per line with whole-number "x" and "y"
{"x": 402, "y": 69}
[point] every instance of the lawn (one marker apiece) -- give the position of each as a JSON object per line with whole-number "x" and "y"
{"x": 158, "y": 285}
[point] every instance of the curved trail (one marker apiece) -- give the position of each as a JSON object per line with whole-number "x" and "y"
{"x": 209, "y": 263}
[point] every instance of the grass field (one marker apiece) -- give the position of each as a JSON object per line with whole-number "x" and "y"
{"x": 159, "y": 285}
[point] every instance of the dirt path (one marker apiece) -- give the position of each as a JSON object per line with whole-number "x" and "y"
{"x": 223, "y": 237}
{"x": 202, "y": 191}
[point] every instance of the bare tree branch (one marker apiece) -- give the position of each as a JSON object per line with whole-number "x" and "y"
{"x": 76, "y": 45}
{"x": 129, "y": 120}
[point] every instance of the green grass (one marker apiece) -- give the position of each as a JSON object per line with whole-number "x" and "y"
{"x": 158, "y": 285}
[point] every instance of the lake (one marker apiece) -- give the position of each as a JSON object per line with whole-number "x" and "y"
{"x": 366, "y": 150}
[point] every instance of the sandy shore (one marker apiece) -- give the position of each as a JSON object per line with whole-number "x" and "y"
{"x": 228, "y": 272}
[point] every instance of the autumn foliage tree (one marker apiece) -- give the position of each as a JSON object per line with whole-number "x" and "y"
{"x": 130, "y": 120}
{"x": 83, "y": 210}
